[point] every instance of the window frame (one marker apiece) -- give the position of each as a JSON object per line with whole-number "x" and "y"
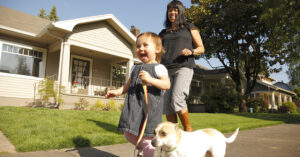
{"x": 44, "y": 59}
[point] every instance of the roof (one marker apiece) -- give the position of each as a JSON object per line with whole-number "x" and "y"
{"x": 34, "y": 26}
{"x": 283, "y": 85}
{"x": 69, "y": 25}
{"x": 275, "y": 87}
{"x": 16, "y": 21}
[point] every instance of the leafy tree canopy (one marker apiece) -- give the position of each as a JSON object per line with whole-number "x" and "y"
{"x": 247, "y": 36}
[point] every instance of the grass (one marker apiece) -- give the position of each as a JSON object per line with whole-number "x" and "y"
{"x": 33, "y": 129}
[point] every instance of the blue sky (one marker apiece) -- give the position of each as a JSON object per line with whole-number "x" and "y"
{"x": 147, "y": 15}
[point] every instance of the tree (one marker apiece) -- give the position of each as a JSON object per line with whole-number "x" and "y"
{"x": 293, "y": 62}
{"x": 245, "y": 36}
{"x": 42, "y": 13}
{"x": 52, "y": 16}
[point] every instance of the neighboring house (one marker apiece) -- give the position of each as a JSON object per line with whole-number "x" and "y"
{"x": 80, "y": 54}
{"x": 205, "y": 79}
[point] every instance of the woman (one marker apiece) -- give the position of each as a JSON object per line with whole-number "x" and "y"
{"x": 182, "y": 42}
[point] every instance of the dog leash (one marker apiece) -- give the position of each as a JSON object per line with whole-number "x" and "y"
{"x": 146, "y": 119}
{"x": 144, "y": 84}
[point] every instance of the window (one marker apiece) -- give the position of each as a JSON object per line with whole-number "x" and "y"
{"x": 118, "y": 72}
{"x": 22, "y": 61}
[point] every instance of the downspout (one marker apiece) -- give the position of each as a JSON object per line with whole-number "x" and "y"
{"x": 59, "y": 67}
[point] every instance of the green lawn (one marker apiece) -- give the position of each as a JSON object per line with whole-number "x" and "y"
{"x": 32, "y": 129}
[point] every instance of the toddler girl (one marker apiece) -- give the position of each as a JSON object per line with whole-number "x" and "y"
{"x": 149, "y": 50}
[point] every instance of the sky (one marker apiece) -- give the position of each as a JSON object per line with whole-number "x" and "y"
{"x": 147, "y": 15}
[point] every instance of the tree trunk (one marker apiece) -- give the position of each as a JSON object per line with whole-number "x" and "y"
{"x": 242, "y": 106}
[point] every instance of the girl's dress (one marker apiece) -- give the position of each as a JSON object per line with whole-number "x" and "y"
{"x": 135, "y": 109}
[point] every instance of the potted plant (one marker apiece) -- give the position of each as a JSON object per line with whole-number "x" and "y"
{"x": 75, "y": 87}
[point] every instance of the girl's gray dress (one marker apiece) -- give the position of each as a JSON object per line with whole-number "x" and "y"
{"x": 135, "y": 109}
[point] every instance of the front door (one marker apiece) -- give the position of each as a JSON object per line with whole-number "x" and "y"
{"x": 81, "y": 75}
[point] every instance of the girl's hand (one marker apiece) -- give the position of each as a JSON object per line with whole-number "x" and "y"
{"x": 145, "y": 76}
{"x": 112, "y": 93}
{"x": 186, "y": 52}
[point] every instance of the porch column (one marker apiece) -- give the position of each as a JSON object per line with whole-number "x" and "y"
{"x": 129, "y": 64}
{"x": 284, "y": 98}
{"x": 290, "y": 99}
{"x": 273, "y": 100}
{"x": 279, "y": 99}
{"x": 65, "y": 68}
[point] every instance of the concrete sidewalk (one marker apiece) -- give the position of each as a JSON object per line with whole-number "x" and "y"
{"x": 273, "y": 141}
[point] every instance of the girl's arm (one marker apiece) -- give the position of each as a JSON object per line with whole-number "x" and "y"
{"x": 119, "y": 91}
{"x": 162, "y": 83}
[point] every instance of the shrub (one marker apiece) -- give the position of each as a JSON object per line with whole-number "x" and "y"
{"x": 82, "y": 104}
{"x": 221, "y": 99}
{"x": 121, "y": 106}
{"x": 257, "y": 104}
{"x": 47, "y": 92}
{"x": 100, "y": 106}
{"x": 288, "y": 107}
{"x": 113, "y": 105}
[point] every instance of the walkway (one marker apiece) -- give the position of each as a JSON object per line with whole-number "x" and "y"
{"x": 273, "y": 141}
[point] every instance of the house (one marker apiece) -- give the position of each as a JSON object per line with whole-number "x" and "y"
{"x": 82, "y": 55}
{"x": 205, "y": 79}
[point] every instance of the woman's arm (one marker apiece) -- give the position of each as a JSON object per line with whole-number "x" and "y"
{"x": 198, "y": 42}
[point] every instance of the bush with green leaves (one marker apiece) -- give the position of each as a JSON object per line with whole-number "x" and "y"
{"x": 100, "y": 106}
{"x": 82, "y": 104}
{"x": 221, "y": 100}
{"x": 257, "y": 104}
{"x": 288, "y": 107}
{"x": 47, "y": 90}
{"x": 113, "y": 105}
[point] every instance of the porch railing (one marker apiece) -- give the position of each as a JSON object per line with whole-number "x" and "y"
{"x": 97, "y": 87}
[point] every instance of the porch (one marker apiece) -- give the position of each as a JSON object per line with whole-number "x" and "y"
{"x": 92, "y": 93}
{"x": 273, "y": 99}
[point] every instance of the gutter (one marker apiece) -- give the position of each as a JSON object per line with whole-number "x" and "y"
{"x": 60, "y": 65}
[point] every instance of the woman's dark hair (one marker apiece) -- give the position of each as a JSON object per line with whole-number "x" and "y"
{"x": 180, "y": 19}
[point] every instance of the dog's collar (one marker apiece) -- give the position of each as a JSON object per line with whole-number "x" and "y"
{"x": 170, "y": 150}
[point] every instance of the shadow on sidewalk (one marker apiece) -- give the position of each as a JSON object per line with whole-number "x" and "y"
{"x": 84, "y": 149}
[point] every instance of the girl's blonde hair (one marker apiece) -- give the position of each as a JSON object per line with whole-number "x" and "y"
{"x": 158, "y": 43}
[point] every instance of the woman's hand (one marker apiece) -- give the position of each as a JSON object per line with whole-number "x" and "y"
{"x": 186, "y": 52}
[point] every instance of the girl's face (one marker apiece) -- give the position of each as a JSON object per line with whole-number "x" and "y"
{"x": 146, "y": 49}
{"x": 172, "y": 14}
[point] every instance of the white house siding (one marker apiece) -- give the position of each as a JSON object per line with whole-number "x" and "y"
{"x": 16, "y": 90}
{"x": 52, "y": 63}
{"x": 101, "y": 37}
{"x": 20, "y": 87}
